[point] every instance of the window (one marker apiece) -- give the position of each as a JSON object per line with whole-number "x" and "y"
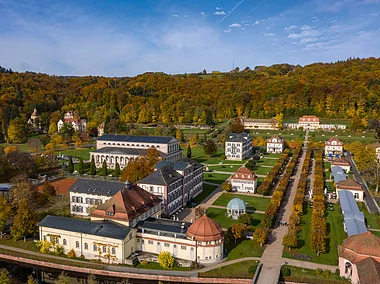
{"x": 166, "y": 245}
{"x": 150, "y": 242}
{"x": 44, "y": 238}
{"x": 57, "y": 241}
{"x": 113, "y": 251}
{"x": 77, "y": 244}
{"x": 86, "y": 246}
{"x": 138, "y": 240}
{"x": 74, "y": 199}
{"x": 64, "y": 242}
{"x": 183, "y": 247}
{"x": 356, "y": 195}
{"x": 94, "y": 247}
{"x": 104, "y": 249}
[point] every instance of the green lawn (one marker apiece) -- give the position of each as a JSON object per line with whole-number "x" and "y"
{"x": 336, "y": 236}
{"x": 266, "y": 162}
{"x": 83, "y": 153}
{"x": 262, "y": 171}
{"x": 22, "y": 147}
{"x": 246, "y": 248}
{"x": 344, "y": 135}
{"x": 28, "y": 245}
{"x": 219, "y": 215}
{"x": 222, "y": 168}
{"x": 376, "y": 233}
{"x": 207, "y": 190}
{"x": 372, "y": 220}
{"x": 198, "y": 155}
{"x": 304, "y": 275}
{"x": 215, "y": 177}
{"x": 254, "y": 202}
{"x": 273, "y": 155}
{"x": 244, "y": 269}
{"x": 287, "y": 134}
{"x": 327, "y": 166}
{"x": 156, "y": 265}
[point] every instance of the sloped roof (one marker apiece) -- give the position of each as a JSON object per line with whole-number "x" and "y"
{"x": 331, "y": 139}
{"x": 205, "y": 229}
{"x": 278, "y": 138}
{"x": 365, "y": 244}
{"x": 96, "y": 187}
{"x": 179, "y": 165}
{"x": 136, "y": 139}
{"x": 244, "y": 173}
{"x": 368, "y": 271}
{"x": 349, "y": 184}
{"x": 161, "y": 176}
{"x": 238, "y": 137}
{"x": 125, "y": 151}
{"x": 236, "y": 204}
{"x": 341, "y": 162}
{"x": 127, "y": 204}
{"x": 306, "y": 117}
{"x": 102, "y": 229}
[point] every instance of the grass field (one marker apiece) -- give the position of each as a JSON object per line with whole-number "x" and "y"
{"x": 207, "y": 190}
{"x": 261, "y": 170}
{"x": 252, "y": 202}
{"x": 336, "y": 235}
{"x": 287, "y": 134}
{"x": 372, "y": 220}
{"x": 156, "y": 265}
{"x": 215, "y": 178}
{"x": 244, "y": 269}
{"x": 198, "y": 155}
{"x": 219, "y": 215}
{"x": 222, "y": 168}
{"x": 304, "y": 275}
{"x": 28, "y": 245}
{"x": 266, "y": 162}
{"x": 83, "y": 153}
{"x": 346, "y": 137}
{"x": 246, "y": 248}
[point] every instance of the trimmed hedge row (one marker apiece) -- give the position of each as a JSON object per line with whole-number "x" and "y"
{"x": 266, "y": 185}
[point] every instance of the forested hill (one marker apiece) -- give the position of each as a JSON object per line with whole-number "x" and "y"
{"x": 338, "y": 90}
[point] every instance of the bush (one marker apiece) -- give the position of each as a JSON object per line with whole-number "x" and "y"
{"x": 166, "y": 260}
{"x": 71, "y": 254}
{"x": 337, "y": 272}
{"x": 326, "y": 273}
{"x": 144, "y": 262}
{"x": 82, "y": 257}
{"x": 285, "y": 271}
{"x": 318, "y": 271}
{"x": 59, "y": 249}
{"x": 223, "y": 157}
{"x": 209, "y": 175}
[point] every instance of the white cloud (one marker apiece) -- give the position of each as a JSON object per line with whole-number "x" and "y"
{"x": 257, "y": 22}
{"x": 218, "y": 8}
{"x": 306, "y": 32}
{"x": 305, "y": 28}
{"x": 374, "y": 14}
{"x": 175, "y": 15}
{"x": 185, "y": 16}
{"x": 291, "y": 27}
{"x": 243, "y": 29}
{"x": 235, "y": 25}
{"x": 227, "y": 31}
{"x": 269, "y": 34}
{"x": 202, "y": 13}
{"x": 246, "y": 25}
{"x": 220, "y": 13}
{"x": 308, "y": 39}
{"x": 314, "y": 19}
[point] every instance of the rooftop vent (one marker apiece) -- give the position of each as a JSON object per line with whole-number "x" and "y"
{"x": 128, "y": 184}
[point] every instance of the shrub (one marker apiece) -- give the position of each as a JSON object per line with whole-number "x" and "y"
{"x": 71, "y": 254}
{"x": 223, "y": 157}
{"x": 44, "y": 246}
{"x": 166, "y": 260}
{"x": 252, "y": 269}
{"x": 285, "y": 271}
{"x": 82, "y": 257}
{"x": 326, "y": 273}
{"x": 59, "y": 249}
{"x": 337, "y": 272}
{"x": 209, "y": 175}
{"x": 318, "y": 271}
{"x": 144, "y": 262}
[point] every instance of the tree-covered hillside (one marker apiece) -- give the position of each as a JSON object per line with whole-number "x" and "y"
{"x": 346, "y": 89}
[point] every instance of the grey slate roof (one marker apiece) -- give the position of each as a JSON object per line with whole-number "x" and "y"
{"x": 353, "y": 218}
{"x": 161, "y": 176}
{"x": 238, "y": 137}
{"x": 124, "y": 151}
{"x": 102, "y": 229}
{"x": 164, "y": 226}
{"x": 179, "y": 165}
{"x": 5, "y": 186}
{"x": 135, "y": 139}
{"x": 338, "y": 174}
{"x": 96, "y": 187}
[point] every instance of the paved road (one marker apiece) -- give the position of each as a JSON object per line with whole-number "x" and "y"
{"x": 371, "y": 203}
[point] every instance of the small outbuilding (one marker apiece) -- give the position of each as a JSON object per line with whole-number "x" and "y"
{"x": 235, "y": 208}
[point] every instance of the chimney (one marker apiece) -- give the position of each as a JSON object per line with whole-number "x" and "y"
{"x": 128, "y": 184}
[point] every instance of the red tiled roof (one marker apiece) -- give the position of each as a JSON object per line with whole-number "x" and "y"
{"x": 205, "y": 229}
{"x": 311, "y": 117}
{"x": 244, "y": 173}
{"x": 278, "y": 138}
{"x": 365, "y": 244}
{"x": 349, "y": 184}
{"x": 340, "y": 162}
{"x": 127, "y": 204}
{"x": 368, "y": 271}
{"x": 331, "y": 139}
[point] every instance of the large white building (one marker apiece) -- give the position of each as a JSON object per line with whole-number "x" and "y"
{"x": 309, "y": 122}
{"x": 129, "y": 222}
{"x": 175, "y": 183}
{"x": 275, "y": 144}
{"x": 77, "y": 123}
{"x": 114, "y": 148}
{"x": 257, "y": 123}
{"x": 333, "y": 147}
{"x": 238, "y": 146}
{"x": 244, "y": 180}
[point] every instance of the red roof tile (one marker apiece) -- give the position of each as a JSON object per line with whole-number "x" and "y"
{"x": 349, "y": 184}
{"x": 205, "y": 229}
{"x": 244, "y": 173}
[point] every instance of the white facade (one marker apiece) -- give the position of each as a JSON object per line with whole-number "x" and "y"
{"x": 275, "y": 144}
{"x": 243, "y": 180}
{"x": 81, "y": 204}
{"x": 333, "y": 146}
{"x": 78, "y": 124}
{"x": 260, "y": 123}
{"x": 238, "y": 147}
{"x": 310, "y": 122}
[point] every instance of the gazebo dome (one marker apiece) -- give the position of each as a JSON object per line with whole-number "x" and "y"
{"x": 236, "y": 204}
{"x": 364, "y": 244}
{"x": 205, "y": 229}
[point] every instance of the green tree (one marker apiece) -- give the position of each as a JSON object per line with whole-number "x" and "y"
{"x": 104, "y": 171}
{"x": 260, "y": 236}
{"x": 245, "y": 219}
{"x": 166, "y": 260}
{"x": 70, "y": 167}
{"x": 4, "y": 277}
{"x": 24, "y": 223}
{"x": 5, "y": 214}
{"x": 204, "y": 137}
{"x": 279, "y": 118}
{"x": 290, "y": 239}
{"x": 17, "y": 131}
{"x": 188, "y": 153}
{"x": 226, "y": 186}
{"x": 63, "y": 279}
{"x": 238, "y": 231}
{"x": 179, "y": 134}
{"x": 250, "y": 165}
{"x": 237, "y": 125}
{"x": 81, "y": 167}
{"x": 117, "y": 170}
{"x": 210, "y": 147}
{"x": 92, "y": 167}
{"x": 53, "y": 128}
{"x": 197, "y": 138}
{"x": 67, "y": 131}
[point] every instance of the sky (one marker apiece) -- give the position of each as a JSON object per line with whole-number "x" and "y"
{"x": 130, "y": 37}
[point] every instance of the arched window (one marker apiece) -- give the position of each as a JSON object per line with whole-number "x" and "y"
{"x": 94, "y": 247}
{"x": 77, "y": 244}
{"x": 64, "y": 242}
{"x": 86, "y": 246}
{"x": 113, "y": 251}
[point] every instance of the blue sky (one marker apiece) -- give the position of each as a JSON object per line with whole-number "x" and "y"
{"x": 125, "y": 38}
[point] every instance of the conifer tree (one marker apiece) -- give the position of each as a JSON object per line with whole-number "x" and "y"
{"x": 104, "y": 168}
{"x": 92, "y": 167}
{"x": 70, "y": 167}
{"x": 117, "y": 170}
{"x": 81, "y": 167}
{"x": 188, "y": 154}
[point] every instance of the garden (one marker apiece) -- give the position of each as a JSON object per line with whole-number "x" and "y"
{"x": 244, "y": 269}
{"x": 252, "y": 202}
{"x": 219, "y": 215}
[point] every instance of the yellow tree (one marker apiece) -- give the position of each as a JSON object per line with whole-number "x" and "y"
{"x": 166, "y": 260}
{"x": 260, "y": 236}
{"x": 238, "y": 231}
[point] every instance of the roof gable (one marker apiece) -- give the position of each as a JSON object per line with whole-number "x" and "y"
{"x": 136, "y": 139}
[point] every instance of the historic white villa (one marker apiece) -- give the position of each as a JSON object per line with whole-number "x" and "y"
{"x": 343, "y": 163}
{"x": 256, "y": 123}
{"x": 275, "y": 144}
{"x": 333, "y": 147}
{"x": 238, "y": 146}
{"x": 129, "y": 222}
{"x": 71, "y": 117}
{"x": 309, "y": 122}
{"x": 114, "y": 148}
{"x": 353, "y": 186}
{"x": 244, "y": 180}
{"x": 175, "y": 183}
{"x": 312, "y": 122}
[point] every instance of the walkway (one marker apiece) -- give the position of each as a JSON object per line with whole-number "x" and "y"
{"x": 272, "y": 257}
